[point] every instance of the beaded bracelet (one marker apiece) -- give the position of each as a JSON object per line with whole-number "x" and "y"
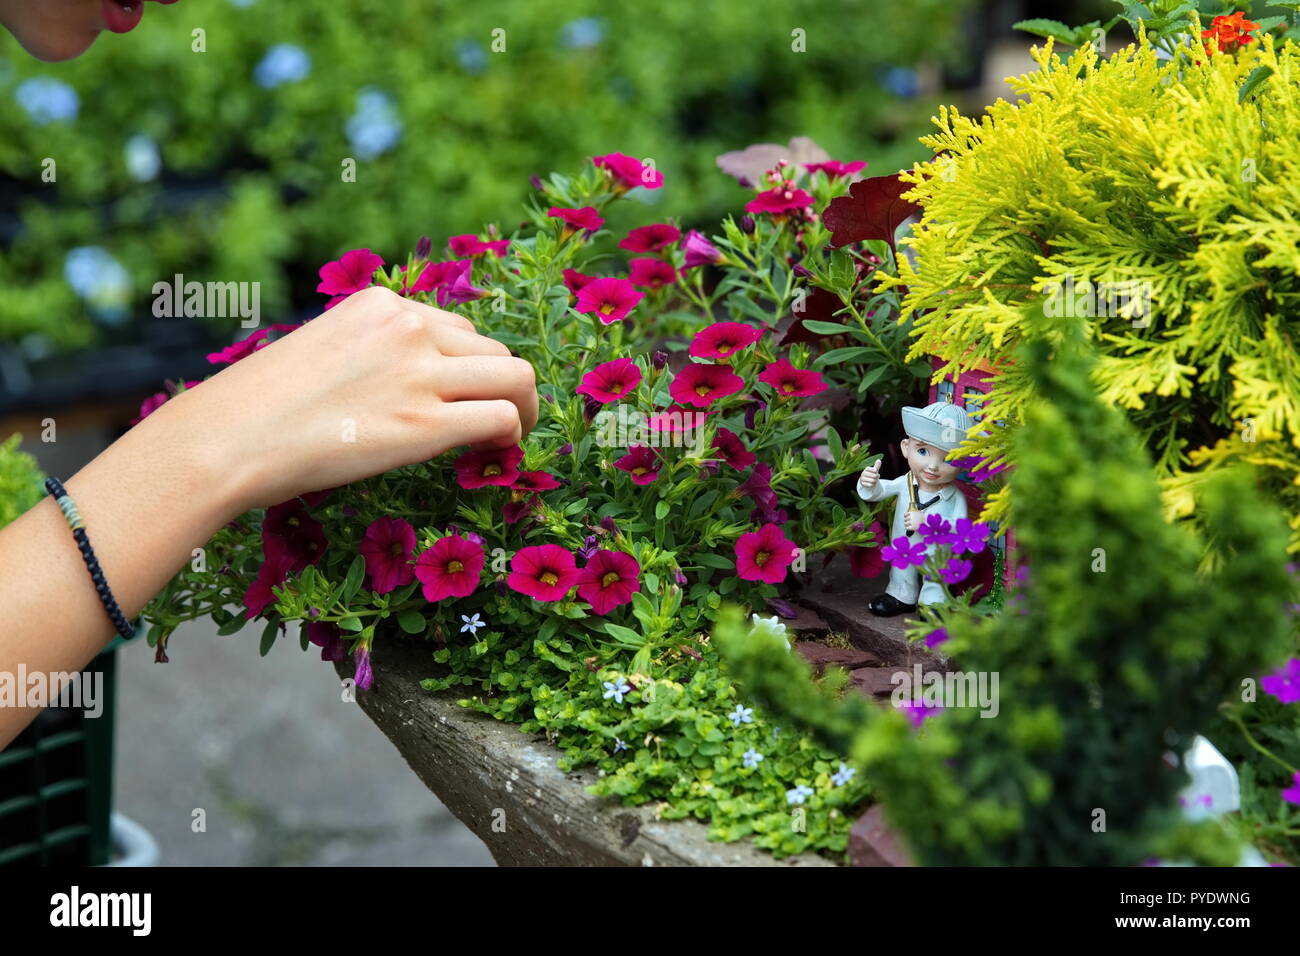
{"x": 73, "y": 517}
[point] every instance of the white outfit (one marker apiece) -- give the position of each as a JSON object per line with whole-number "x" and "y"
{"x": 905, "y": 583}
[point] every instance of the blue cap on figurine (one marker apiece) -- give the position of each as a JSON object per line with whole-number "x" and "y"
{"x": 943, "y": 424}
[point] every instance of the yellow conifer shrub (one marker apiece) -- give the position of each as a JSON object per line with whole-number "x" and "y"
{"x": 1129, "y": 172}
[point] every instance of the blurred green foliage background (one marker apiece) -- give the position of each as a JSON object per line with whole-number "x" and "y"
{"x": 227, "y": 164}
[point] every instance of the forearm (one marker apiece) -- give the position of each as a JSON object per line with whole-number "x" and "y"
{"x": 147, "y": 502}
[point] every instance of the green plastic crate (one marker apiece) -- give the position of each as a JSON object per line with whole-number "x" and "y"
{"x": 56, "y": 783}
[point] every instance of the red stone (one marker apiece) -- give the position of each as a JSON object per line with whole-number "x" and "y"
{"x": 873, "y": 843}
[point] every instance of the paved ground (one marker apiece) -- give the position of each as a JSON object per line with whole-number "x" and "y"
{"x": 286, "y": 771}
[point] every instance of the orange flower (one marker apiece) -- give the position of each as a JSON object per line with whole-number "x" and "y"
{"x": 1231, "y": 32}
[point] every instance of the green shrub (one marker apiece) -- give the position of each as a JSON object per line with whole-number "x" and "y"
{"x": 1102, "y": 668}
{"x": 20, "y": 480}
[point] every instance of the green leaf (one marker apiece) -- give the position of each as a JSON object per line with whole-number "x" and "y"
{"x": 847, "y": 354}
{"x": 661, "y": 510}
{"x": 350, "y": 624}
{"x": 828, "y": 328}
{"x": 352, "y": 583}
{"x": 624, "y": 635}
{"x": 1053, "y": 29}
{"x": 1257, "y": 76}
{"x": 236, "y": 623}
{"x": 412, "y": 622}
{"x": 269, "y": 634}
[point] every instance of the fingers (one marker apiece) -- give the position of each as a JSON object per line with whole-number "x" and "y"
{"x": 439, "y": 316}
{"x": 488, "y": 377}
{"x": 483, "y": 424}
{"x": 455, "y": 341}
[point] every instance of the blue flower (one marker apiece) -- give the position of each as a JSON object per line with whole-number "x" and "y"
{"x": 619, "y": 745}
{"x": 843, "y": 775}
{"x": 374, "y": 128}
{"x": 582, "y": 33}
{"x": 283, "y": 63}
{"x": 471, "y": 56}
{"x": 901, "y": 81}
{"x": 741, "y": 715}
{"x": 142, "y": 160}
{"x": 47, "y": 100}
{"x": 472, "y": 624}
{"x": 99, "y": 279}
{"x": 616, "y": 690}
{"x": 798, "y": 795}
{"x": 752, "y": 758}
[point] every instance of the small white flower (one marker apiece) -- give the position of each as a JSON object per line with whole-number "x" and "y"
{"x": 619, "y": 745}
{"x": 771, "y": 625}
{"x": 798, "y": 795}
{"x": 752, "y": 758}
{"x": 617, "y": 690}
{"x": 741, "y": 715}
{"x": 843, "y": 775}
{"x": 472, "y": 624}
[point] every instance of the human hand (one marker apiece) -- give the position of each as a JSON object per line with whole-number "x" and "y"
{"x": 375, "y": 383}
{"x": 911, "y": 520}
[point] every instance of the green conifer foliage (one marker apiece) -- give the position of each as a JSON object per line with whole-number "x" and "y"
{"x": 1116, "y": 652}
{"x": 1131, "y": 169}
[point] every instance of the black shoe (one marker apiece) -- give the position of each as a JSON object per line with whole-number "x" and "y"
{"x": 886, "y": 605}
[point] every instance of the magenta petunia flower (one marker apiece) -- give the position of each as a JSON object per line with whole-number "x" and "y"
{"x": 241, "y": 349}
{"x": 491, "y": 466}
{"x": 758, "y": 486}
{"x": 651, "y": 238}
{"x": 629, "y": 172}
{"x": 676, "y": 418}
{"x": 935, "y": 530}
{"x": 723, "y": 340}
{"x": 868, "y": 562}
{"x": 450, "y": 281}
{"x": 955, "y": 571}
{"x": 1285, "y": 683}
{"x": 574, "y": 280}
{"x": 608, "y": 298}
{"x": 699, "y": 251}
{"x": 259, "y": 594}
{"x": 609, "y": 580}
{"x": 610, "y": 381}
{"x": 364, "y": 675}
{"x": 651, "y": 273}
{"x": 732, "y": 450}
{"x": 471, "y": 245}
{"x": 291, "y": 536}
{"x": 969, "y": 536}
{"x": 641, "y": 463}
{"x": 764, "y": 555}
{"x": 351, "y": 273}
{"x": 835, "y": 169}
{"x": 327, "y": 636}
{"x": 1292, "y": 794}
{"x": 779, "y": 201}
{"x": 388, "y": 546}
{"x": 545, "y": 572}
{"x": 701, "y": 385}
{"x": 576, "y": 219}
{"x": 535, "y": 481}
{"x": 791, "y": 382}
{"x": 450, "y": 568}
{"x": 902, "y": 553}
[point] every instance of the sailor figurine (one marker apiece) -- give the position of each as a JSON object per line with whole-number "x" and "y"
{"x": 926, "y": 488}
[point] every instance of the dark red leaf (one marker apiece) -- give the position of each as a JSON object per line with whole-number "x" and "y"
{"x": 873, "y": 209}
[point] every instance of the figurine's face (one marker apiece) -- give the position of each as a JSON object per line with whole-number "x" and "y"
{"x": 53, "y": 30}
{"x": 929, "y": 464}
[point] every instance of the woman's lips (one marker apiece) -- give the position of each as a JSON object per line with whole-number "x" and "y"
{"x": 122, "y": 16}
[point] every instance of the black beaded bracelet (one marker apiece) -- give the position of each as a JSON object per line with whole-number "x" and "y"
{"x": 69, "y": 509}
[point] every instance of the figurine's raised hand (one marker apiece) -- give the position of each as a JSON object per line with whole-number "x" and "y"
{"x": 870, "y": 475}
{"x": 912, "y": 521}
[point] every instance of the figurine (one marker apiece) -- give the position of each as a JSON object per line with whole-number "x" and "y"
{"x": 926, "y": 488}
